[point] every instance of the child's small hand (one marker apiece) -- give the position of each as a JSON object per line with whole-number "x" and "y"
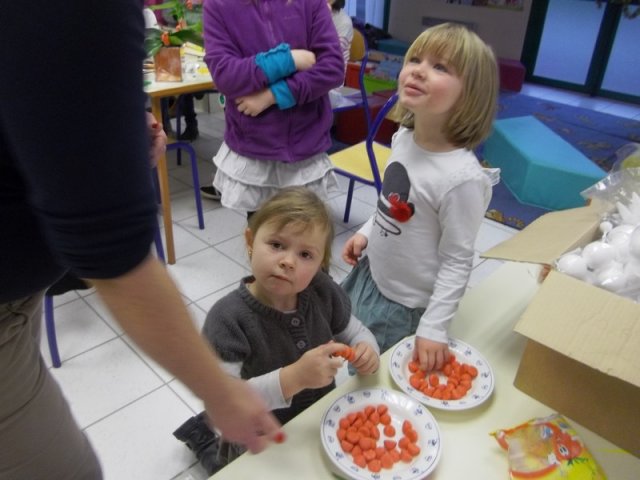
{"x": 303, "y": 59}
{"x": 366, "y": 359}
{"x": 318, "y": 367}
{"x": 256, "y": 103}
{"x": 431, "y": 355}
{"x": 352, "y": 250}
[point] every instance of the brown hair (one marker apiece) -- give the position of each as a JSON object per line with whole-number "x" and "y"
{"x": 475, "y": 63}
{"x": 297, "y": 206}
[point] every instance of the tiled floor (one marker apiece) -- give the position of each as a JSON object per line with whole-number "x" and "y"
{"x": 126, "y": 403}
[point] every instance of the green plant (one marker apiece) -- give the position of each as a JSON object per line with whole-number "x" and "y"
{"x": 188, "y": 26}
{"x": 630, "y": 8}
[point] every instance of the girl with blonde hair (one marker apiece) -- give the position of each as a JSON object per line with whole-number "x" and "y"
{"x": 419, "y": 243}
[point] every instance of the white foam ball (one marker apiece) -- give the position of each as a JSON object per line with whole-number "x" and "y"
{"x": 621, "y": 231}
{"x": 572, "y": 264}
{"x": 621, "y": 244}
{"x": 613, "y": 278}
{"x": 606, "y": 226}
{"x": 597, "y": 254}
{"x": 634, "y": 243}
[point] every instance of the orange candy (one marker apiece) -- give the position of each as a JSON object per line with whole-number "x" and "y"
{"x": 358, "y": 434}
{"x": 347, "y": 353}
{"x": 280, "y": 437}
{"x": 459, "y": 378}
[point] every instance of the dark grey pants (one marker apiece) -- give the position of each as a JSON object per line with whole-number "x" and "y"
{"x": 39, "y": 437}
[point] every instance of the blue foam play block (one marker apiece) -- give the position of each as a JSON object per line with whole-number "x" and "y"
{"x": 537, "y": 166}
{"x": 393, "y": 46}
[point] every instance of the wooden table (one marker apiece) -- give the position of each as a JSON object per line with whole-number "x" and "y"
{"x": 157, "y": 91}
{"x": 485, "y": 321}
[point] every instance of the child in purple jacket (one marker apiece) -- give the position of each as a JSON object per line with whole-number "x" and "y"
{"x": 275, "y": 61}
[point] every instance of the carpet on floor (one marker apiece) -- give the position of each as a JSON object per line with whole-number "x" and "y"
{"x": 596, "y": 135}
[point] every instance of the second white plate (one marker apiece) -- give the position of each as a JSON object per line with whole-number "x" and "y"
{"x": 401, "y": 407}
{"x": 481, "y": 388}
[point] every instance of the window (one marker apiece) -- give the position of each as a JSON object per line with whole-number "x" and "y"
{"x": 367, "y": 11}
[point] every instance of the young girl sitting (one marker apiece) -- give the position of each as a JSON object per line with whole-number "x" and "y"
{"x": 283, "y": 326}
{"x": 420, "y": 241}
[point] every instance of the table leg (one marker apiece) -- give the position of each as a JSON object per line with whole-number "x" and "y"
{"x": 165, "y": 196}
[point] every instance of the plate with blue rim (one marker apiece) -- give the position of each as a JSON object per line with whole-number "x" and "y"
{"x": 401, "y": 407}
{"x": 481, "y": 388}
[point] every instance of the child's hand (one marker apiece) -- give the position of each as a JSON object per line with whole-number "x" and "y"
{"x": 366, "y": 359}
{"x": 431, "y": 355}
{"x": 303, "y": 59}
{"x": 256, "y": 103}
{"x": 352, "y": 250}
{"x": 315, "y": 369}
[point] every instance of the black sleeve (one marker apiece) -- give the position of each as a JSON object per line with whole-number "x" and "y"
{"x": 73, "y": 118}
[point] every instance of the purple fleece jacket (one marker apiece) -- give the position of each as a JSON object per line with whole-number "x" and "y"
{"x": 234, "y": 32}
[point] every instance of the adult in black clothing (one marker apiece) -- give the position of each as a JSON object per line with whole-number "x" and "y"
{"x": 85, "y": 205}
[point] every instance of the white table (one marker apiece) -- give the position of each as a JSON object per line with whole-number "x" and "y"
{"x": 485, "y": 320}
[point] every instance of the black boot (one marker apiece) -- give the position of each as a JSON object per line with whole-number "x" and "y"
{"x": 190, "y": 132}
{"x": 204, "y": 443}
{"x": 196, "y": 434}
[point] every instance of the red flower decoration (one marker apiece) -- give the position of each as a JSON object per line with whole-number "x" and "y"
{"x": 400, "y": 210}
{"x": 165, "y": 39}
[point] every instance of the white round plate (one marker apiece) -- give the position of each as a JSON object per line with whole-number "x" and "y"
{"x": 481, "y": 388}
{"x": 401, "y": 408}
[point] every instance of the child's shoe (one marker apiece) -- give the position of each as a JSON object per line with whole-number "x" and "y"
{"x": 196, "y": 434}
{"x": 210, "y": 192}
{"x": 190, "y": 132}
{"x": 204, "y": 443}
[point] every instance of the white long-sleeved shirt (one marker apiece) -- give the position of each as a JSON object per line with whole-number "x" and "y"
{"x": 426, "y": 261}
{"x": 344, "y": 27}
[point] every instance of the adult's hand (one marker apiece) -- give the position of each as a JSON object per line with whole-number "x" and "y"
{"x": 241, "y": 415}
{"x": 150, "y": 309}
{"x": 158, "y": 140}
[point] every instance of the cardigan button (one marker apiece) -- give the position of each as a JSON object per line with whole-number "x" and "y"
{"x": 295, "y": 322}
{"x": 301, "y": 344}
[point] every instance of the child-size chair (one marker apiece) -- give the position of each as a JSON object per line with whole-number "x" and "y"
{"x": 179, "y": 146}
{"x": 365, "y": 161}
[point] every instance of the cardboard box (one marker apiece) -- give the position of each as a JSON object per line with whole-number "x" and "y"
{"x": 583, "y": 354}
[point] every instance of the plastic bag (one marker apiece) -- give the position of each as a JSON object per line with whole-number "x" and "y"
{"x": 548, "y": 448}
{"x": 627, "y": 156}
{"x": 622, "y": 181}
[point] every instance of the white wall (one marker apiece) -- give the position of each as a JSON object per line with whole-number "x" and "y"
{"x": 503, "y": 29}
